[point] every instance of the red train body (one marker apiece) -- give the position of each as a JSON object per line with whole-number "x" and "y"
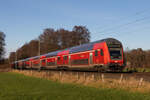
{"x": 106, "y": 54}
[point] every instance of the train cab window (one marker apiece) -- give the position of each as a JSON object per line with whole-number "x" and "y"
{"x": 65, "y": 57}
{"x": 102, "y": 52}
{"x": 96, "y": 53}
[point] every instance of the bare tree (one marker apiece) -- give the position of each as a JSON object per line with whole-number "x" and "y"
{"x": 138, "y": 58}
{"x": 12, "y": 57}
{"x": 33, "y": 48}
{"x": 49, "y": 41}
{"x": 81, "y": 35}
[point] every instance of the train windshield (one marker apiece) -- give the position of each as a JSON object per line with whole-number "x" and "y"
{"x": 115, "y": 53}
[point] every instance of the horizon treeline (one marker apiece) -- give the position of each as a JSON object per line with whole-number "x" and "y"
{"x": 52, "y": 40}
{"x": 138, "y": 58}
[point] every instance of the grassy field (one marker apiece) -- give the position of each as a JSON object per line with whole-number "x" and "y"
{"x": 19, "y": 87}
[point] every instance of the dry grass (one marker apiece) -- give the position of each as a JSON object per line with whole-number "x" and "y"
{"x": 91, "y": 80}
{"x": 5, "y": 68}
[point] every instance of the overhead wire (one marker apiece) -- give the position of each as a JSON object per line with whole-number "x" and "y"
{"x": 122, "y": 25}
{"x": 127, "y": 24}
{"x": 123, "y": 19}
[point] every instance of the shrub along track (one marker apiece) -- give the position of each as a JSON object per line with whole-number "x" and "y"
{"x": 108, "y": 75}
{"x": 128, "y": 81}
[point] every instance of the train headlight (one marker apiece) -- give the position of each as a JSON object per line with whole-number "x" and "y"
{"x": 116, "y": 61}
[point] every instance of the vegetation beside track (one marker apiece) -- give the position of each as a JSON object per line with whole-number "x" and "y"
{"x": 132, "y": 81}
{"x": 136, "y": 70}
{"x": 19, "y": 87}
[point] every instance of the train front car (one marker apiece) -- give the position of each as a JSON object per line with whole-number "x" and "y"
{"x": 115, "y": 61}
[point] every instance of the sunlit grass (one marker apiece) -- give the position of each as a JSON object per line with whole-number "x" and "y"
{"x": 19, "y": 87}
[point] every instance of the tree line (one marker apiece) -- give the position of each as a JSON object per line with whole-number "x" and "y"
{"x": 52, "y": 40}
{"x": 138, "y": 58}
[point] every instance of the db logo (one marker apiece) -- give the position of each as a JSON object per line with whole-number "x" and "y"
{"x": 116, "y": 61}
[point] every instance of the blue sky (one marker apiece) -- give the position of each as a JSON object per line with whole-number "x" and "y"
{"x": 126, "y": 20}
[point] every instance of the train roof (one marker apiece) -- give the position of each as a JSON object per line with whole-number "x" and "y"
{"x": 51, "y": 54}
{"x": 36, "y": 57}
{"x": 84, "y": 47}
{"x": 89, "y": 46}
{"x": 108, "y": 40}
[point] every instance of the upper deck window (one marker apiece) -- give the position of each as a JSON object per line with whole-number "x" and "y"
{"x": 114, "y": 46}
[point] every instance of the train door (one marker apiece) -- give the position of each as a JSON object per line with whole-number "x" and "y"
{"x": 43, "y": 63}
{"x": 59, "y": 60}
{"x": 69, "y": 63}
{"x": 65, "y": 60}
{"x": 31, "y": 63}
{"x": 24, "y": 64}
{"x": 98, "y": 56}
{"x": 101, "y": 56}
{"x": 91, "y": 58}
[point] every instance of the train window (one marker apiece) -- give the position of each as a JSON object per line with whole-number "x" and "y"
{"x": 102, "y": 53}
{"x": 80, "y": 61}
{"x": 35, "y": 63}
{"x": 43, "y": 61}
{"x": 51, "y": 63}
{"x": 96, "y": 53}
{"x": 65, "y": 57}
{"x": 58, "y": 58}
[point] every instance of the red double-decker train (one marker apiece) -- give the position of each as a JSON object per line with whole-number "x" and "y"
{"x": 106, "y": 54}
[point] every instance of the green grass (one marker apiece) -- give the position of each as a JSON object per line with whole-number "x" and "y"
{"x": 137, "y": 69}
{"x": 19, "y": 87}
